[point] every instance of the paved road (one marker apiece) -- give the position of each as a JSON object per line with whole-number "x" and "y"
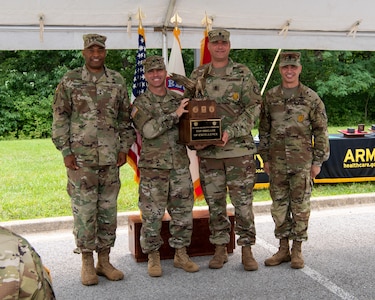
{"x": 339, "y": 256}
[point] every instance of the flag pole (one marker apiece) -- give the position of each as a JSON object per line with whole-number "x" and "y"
{"x": 270, "y": 72}
{"x": 139, "y": 86}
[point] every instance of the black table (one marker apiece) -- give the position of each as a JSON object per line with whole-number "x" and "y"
{"x": 352, "y": 159}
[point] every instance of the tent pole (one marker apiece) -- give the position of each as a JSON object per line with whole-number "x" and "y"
{"x": 171, "y": 7}
{"x": 165, "y": 47}
{"x": 197, "y": 57}
{"x": 270, "y": 72}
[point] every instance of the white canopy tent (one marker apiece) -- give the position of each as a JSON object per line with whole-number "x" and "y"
{"x": 267, "y": 24}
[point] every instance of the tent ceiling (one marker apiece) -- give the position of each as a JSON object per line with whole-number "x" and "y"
{"x": 318, "y": 24}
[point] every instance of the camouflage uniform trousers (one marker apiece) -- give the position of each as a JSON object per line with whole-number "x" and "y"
{"x": 236, "y": 176}
{"x": 93, "y": 192}
{"x": 22, "y": 274}
{"x": 290, "y": 210}
{"x": 161, "y": 189}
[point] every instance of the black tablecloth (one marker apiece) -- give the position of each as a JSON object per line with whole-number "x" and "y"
{"x": 352, "y": 159}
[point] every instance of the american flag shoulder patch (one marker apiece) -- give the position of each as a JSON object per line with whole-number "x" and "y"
{"x": 134, "y": 111}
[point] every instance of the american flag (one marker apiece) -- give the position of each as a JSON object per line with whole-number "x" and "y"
{"x": 139, "y": 81}
{"x": 139, "y": 86}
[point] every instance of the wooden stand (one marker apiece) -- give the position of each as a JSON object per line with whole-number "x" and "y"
{"x": 200, "y": 244}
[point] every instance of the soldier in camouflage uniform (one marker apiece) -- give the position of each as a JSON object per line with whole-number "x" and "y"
{"x": 22, "y": 274}
{"x": 165, "y": 181}
{"x": 92, "y": 129}
{"x": 293, "y": 145}
{"x": 230, "y": 166}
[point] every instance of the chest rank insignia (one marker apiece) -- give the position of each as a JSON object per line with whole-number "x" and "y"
{"x": 301, "y": 118}
{"x": 235, "y": 96}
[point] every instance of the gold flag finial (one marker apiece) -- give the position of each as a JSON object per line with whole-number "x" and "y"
{"x": 207, "y": 21}
{"x": 140, "y": 16}
{"x": 176, "y": 19}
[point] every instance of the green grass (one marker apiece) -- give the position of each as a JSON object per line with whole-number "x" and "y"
{"x": 33, "y": 183}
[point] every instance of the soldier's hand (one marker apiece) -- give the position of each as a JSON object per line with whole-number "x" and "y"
{"x": 224, "y": 138}
{"x": 315, "y": 170}
{"x": 121, "y": 159}
{"x": 181, "y": 109}
{"x": 70, "y": 162}
{"x": 200, "y": 147}
{"x": 266, "y": 168}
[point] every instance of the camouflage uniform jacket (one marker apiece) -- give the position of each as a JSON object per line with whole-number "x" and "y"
{"x": 22, "y": 275}
{"x": 155, "y": 118}
{"x": 91, "y": 117}
{"x": 289, "y": 127}
{"x": 238, "y": 104}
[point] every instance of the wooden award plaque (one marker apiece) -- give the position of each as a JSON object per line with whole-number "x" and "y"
{"x": 200, "y": 126}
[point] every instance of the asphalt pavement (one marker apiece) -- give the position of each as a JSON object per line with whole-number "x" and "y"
{"x": 339, "y": 260}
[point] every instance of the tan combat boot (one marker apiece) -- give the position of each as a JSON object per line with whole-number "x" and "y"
{"x": 283, "y": 255}
{"x": 297, "y": 259}
{"x": 88, "y": 274}
{"x": 105, "y": 268}
{"x": 182, "y": 260}
{"x": 248, "y": 261}
{"x": 154, "y": 266}
{"x": 220, "y": 257}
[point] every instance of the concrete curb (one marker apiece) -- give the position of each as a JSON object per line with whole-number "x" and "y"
{"x": 65, "y": 223}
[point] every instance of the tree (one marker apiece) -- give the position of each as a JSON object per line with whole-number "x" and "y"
{"x": 27, "y": 82}
{"x": 344, "y": 79}
{"x": 347, "y": 85}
